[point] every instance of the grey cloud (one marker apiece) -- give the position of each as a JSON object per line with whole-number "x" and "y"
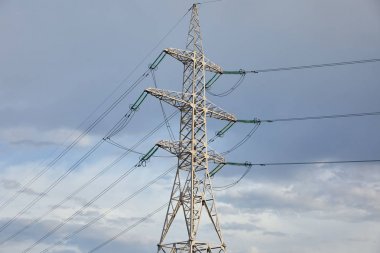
{"x": 126, "y": 220}
{"x": 250, "y": 227}
{"x": 84, "y": 241}
{"x": 33, "y": 143}
{"x": 77, "y": 201}
{"x": 10, "y": 184}
{"x": 328, "y": 194}
{"x": 32, "y": 233}
{"x": 241, "y": 226}
{"x": 29, "y": 191}
{"x": 80, "y": 200}
{"x": 271, "y": 233}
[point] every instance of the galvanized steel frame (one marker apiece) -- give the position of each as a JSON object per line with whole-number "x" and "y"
{"x": 192, "y": 189}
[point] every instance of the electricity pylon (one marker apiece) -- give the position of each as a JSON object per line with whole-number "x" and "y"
{"x": 192, "y": 190}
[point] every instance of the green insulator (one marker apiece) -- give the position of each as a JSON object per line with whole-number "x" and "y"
{"x": 158, "y": 60}
{"x": 216, "y": 169}
{"x": 139, "y": 101}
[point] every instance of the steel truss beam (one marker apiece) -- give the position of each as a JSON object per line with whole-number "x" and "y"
{"x": 182, "y": 100}
{"x": 192, "y": 190}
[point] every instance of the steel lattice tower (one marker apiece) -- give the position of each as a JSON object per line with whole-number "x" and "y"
{"x": 192, "y": 189}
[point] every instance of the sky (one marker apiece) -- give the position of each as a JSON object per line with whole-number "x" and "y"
{"x": 64, "y": 62}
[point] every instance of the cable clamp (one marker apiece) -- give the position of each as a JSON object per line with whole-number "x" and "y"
{"x": 142, "y": 163}
{"x": 248, "y": 164}
{"x": 133, "y": 108}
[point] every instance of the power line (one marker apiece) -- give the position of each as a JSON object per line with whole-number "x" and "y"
{"x": 317, "y": 162}
{"x": 119, "y": 204}
{"x": 242, "y": 141}
{"x": 52, "y": 231}
{"x": 129, "y": 228}
{"x": 229, "y": 91}
{"x": 323, "y": 65}
{"x": 134, "y": 224}
{"x": 225, "y": 187}
{"x": 267, "y": 164}
{"x": 63, "y": 176}
{"x": 243, "y": 72}
{"x": 124, "y": 201}
{"x": 120, "y": 124}
{"x": 113, "y": 184}
{"x": 117, "y": 160}
{"x": 170, "y": 131}
{"x": 69, "y": 147}
{"x": 89, "y": 203}
{"x": 334, "y": 116}
{"x": 101, "y": 117}
{"x": 259, "y": 121}
{"x": 118, "y": 145}
{"x": 51, "y": 186}
{"x": 104, "y": 114}
{"x": 249, "y": 167}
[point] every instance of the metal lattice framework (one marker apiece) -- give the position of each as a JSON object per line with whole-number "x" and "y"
{"x": 192, "y": 189}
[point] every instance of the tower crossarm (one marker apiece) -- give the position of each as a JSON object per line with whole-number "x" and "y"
{"x": 178, "y": 148}
{"x": 185, "y": 57}
{"x": 213, "y": 111}
{"x": 215, "y": 157}
{"x": 212, "y": 67}
{"x": 173, "y": 147}
{"x": 174, "y": 98}
{"x": 181, "y": 100}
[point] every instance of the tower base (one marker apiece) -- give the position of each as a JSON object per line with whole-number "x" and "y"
{"x": 188, "y": 247}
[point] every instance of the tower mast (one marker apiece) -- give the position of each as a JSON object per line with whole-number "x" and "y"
{"x": 192, "y": 189}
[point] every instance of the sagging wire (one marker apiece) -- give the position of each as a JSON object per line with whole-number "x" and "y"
{"x": 114, "y": 143}
{"x": 104, "y": 170}
{"x": 232, "y": 89}
{"x": 244, "y": 140}
{"x": 258, "y": 122}
{"x": 138, "y": 222}
{"x": 140, "y": 163}
{"x": 249, "y": 165}
{"x": 129, "y": 228}
{"x": 128, "y": 116}
{"x": 236, "y": 146}
{"x": 101, "y": 216}
{"x": 5, "y": 203}
{"x": 228, "y": 186}
{"x": 65, "y": 151}
{"x": 170, "y": 131}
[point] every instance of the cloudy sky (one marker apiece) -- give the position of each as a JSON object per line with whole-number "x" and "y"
{"x": 63, "y": 62}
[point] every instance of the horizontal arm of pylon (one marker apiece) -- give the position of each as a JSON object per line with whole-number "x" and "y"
{"x": 180, "y": 100}
{"x": 179, "y": 54}
{"x": 172, "y": 147}
{"x": 216, "y": 112}
{"x": 177, "y": 148}
{"x": 174, "y": 98}
{"x": 188, "y": 56}
{"x": 215, "y": 157}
